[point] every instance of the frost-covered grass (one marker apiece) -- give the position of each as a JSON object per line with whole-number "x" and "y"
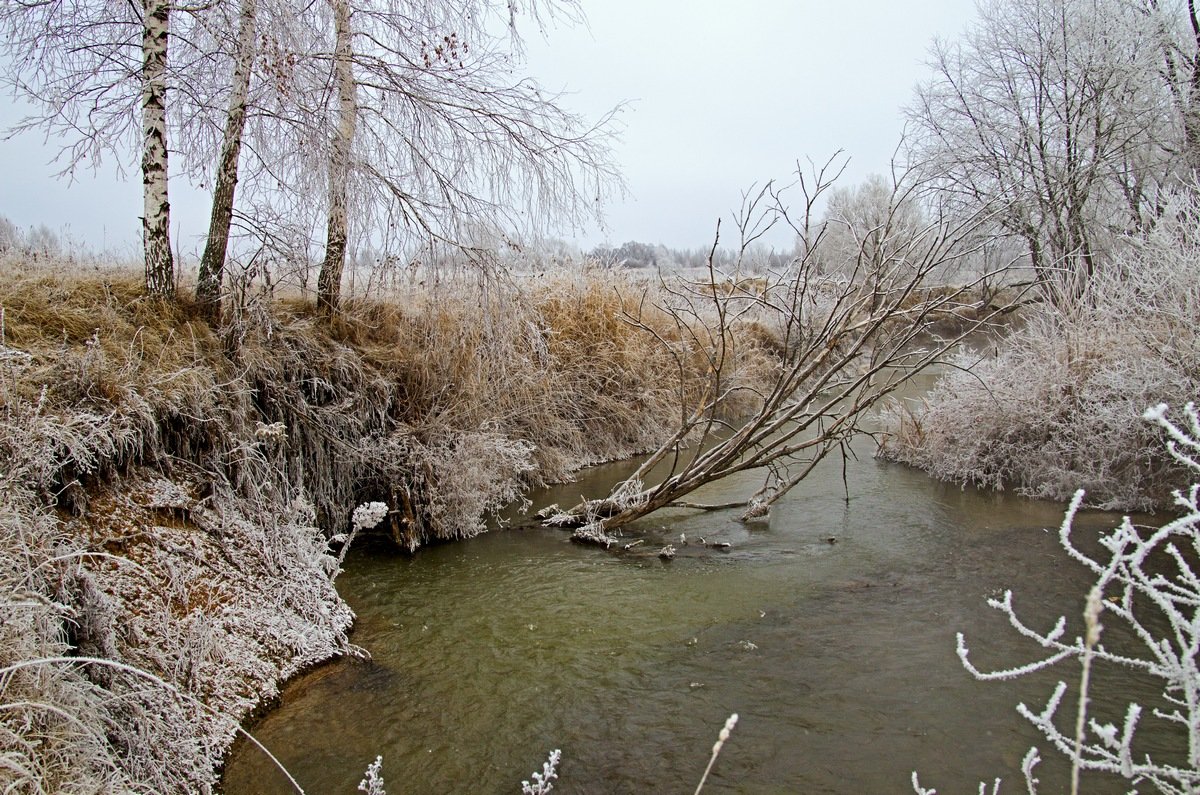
{"x": 198, "y": 597}
{"x": 1053, "y": 409}
{"x": 172, "y": 496}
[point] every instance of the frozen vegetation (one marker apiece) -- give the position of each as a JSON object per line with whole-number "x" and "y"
{"x": 1146, "y": 588}
{"x": 184, "y": 465}
{"x": 1075, "y": 126}
{"x": 175, "y": 501}
{"x": 1049, "y": 409}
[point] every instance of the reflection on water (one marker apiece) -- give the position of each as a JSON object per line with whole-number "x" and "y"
{"x": 838, "y": 655}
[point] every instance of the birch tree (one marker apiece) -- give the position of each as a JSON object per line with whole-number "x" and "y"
{"x": 212, "y": 262}
{"x": 156, "y": 212}
{"x": 261, "y": 73}
{"x": 434, "y": 141}
{"x": 330, "y": 280}
{"x": 97, "y": 75}
{"x": 103, "y": 79}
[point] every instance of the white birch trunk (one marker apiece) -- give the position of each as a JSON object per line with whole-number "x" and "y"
{"x": 329, "y": 282}
{"x": 212, "y": 263}
{"x": 156, "y": 218}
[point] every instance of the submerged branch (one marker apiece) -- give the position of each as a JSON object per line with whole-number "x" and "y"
{"x": 724, "y": 506}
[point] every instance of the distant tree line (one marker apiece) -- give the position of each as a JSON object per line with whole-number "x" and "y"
{"x": 633, "y": 254}
{"x": 37, "y": 241}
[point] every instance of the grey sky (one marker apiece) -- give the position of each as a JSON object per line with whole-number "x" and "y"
{"x": 727, "y": 94}
{"x": 722, "y": 95}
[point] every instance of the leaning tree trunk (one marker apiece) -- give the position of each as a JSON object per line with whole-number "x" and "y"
{"x": 329, "y": 282}
{"x": 212, "y": 263}
{"x": 156, "y": 218}
{"x": 844, "y": 346}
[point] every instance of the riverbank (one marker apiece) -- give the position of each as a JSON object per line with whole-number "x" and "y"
{"x": 1056, "y": 406}
{"x": 175, "y": 493}
{"x": 179, "y": 495}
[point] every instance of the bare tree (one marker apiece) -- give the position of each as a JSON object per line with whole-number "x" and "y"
{"x": 1179, "y": 29}
{"x": 330, "y": 280}
{"x": 97, "y": 76}
{"x": 156, "y": 212}
{"x": 433, "y": 140}
{"x": 846, "y": 338}
{"x": 866, "y": 229}
{"x": 1055, "y": 114}
{"x": 10, "y": 236}
{"x": 110, "y": 79}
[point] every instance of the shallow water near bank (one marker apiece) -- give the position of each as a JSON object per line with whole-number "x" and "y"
{"x": 830, "y": 630}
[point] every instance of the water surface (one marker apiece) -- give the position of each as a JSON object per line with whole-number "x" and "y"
{"x": 830, "y": 629}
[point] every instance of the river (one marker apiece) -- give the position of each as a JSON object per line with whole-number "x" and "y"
{"x": 830, "y": 630}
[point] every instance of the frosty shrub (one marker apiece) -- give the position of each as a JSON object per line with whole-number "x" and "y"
{"x": 1148, "y": 584}
{"x": 454, "y": 480}
{"x": 1050, "y": 411}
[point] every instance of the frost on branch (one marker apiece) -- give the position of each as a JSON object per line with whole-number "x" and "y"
{"x": 1149, "y": 584}
{"x": 543, "y": 782}
{"x": 373, "y": 783}
{"x": 368, "y": 515}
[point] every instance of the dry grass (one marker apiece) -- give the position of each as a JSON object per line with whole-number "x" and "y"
{"x": 128, "y": 537}
{"x": 168, "y": 490}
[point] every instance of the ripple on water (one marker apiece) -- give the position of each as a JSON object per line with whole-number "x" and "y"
{"x": 839, "y": 657}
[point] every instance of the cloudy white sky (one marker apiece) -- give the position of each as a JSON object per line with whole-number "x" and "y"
{"x": 721, "y": 95}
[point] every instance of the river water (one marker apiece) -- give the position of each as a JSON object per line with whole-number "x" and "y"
{"x": 830, "y": 630}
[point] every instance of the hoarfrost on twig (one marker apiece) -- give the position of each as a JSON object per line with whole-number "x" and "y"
{"x": 543, "y": 782}
{"x": 373, "y": 783}
{"x": 722, "y": 737}
{"x": 368, "y": 515}
{"x": 1152, "y": 569}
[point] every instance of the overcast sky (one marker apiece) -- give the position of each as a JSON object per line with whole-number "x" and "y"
{"x": 721, "y": 95}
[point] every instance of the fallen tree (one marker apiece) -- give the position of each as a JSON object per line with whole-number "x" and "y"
{"x": 847, "y": 323}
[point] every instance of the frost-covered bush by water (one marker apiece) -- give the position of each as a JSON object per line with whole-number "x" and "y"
{"x": 1047, "y": 409}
